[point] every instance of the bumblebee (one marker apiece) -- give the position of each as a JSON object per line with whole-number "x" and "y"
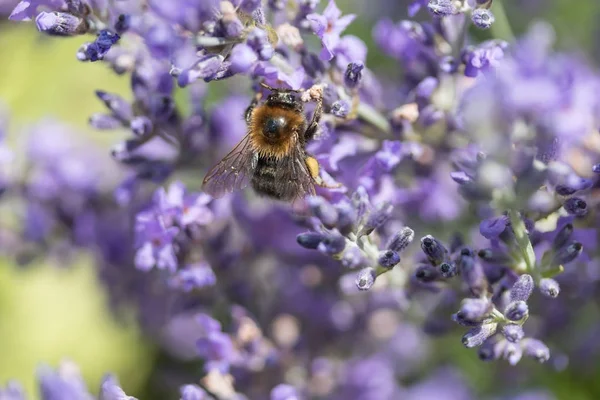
{"x": 272, "y": 156}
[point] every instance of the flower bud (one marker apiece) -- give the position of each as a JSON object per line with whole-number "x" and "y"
{"x": 576, "y": 206}
{"x": 495, "y": 256}
{"x": 435, "y": 251}
{"x": 490, "y": 349}
{"x": 474, "y": 310}
{"x": 365, "y": 278}
{"x": 346, "y": 217}
{"x": 513, "y": 333}
{"x": 340, "y": 109}
{"x": 549, "y": 287}
{"x": 516, "y": 310}
{"x": 376, "y": 218}
{"x": 242, "y": 58}
{"x": 401, "y": 240}
{"x": 441, "y": 8}
{"x": 448, "y": 269}
{"x": 522, "y": 288}
{"x": 567, "y": 253}
{"x": 332, "y": 244}
{"x": 310, "y": 240}
{"x": 536, "y": 349}
{"x": 60, "y": 24}
{"x": 482, "y": 18}
{"x": 476, "y": 336}
{"x": 426, "y": 273}
{"x": 323, "y": 210}
{"x": 388, "y": 258}
{"x": 472, "y": 272}
{"x": 562, "y": 237}
{"x": 511, "y": 352}
{"x": 353, "y": 74}
{"x": 141, "y": 126}
{"x": 360, "y": 201}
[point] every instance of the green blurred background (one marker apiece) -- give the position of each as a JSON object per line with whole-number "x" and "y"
{"x": 49, "y": 312}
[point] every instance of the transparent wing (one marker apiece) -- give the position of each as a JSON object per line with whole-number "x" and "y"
{"x": 233, "y": 172}
{"x": 293, "y": 175}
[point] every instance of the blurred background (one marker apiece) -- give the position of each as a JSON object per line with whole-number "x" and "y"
{"x": 49, "y": 312}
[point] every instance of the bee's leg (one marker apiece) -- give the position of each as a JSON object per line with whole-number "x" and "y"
{"x": 313, "y": 168}
{"x": 253, "y": 103}
{"x": 313, "y": 127}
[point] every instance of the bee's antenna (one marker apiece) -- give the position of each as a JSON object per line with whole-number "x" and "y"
{"x": 279, "y": 89}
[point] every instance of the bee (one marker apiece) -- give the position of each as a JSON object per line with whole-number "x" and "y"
{"x": 272, "y": 156}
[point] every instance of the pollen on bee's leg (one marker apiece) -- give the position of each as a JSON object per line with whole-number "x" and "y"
{"x": 313, "y": 168}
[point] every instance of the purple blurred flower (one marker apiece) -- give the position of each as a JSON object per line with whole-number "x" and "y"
{"x": 27, "y": 9}
{"x": 155, "y": 243}
{"x": 328, "y": 27}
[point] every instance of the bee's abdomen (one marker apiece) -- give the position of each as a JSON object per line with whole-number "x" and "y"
{"x": 264, "y": 180}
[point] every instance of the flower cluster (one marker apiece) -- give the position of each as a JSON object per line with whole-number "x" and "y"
{"x": 344, "y": 231}
{"x": 489, "y": 152}
{"x": 66, "y": 383}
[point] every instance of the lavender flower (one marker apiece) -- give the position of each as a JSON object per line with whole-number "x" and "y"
{"x": 328, "y": 27}
{"x": 441, "y": 8}
{"x": 485, "y": 149}
{"x": 482, "y": 18}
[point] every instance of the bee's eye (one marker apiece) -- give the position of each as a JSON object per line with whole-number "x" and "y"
{"x": 289, "y": 97}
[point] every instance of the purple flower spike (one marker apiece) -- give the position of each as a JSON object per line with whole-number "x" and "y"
{"x": 328, "y": 28}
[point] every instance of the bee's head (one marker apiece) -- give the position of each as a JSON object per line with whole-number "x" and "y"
{"x": 283, "y": 97}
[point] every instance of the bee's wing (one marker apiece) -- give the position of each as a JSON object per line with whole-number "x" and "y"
{"x": 293, "y": 175}
{"x": 233, "y": 172}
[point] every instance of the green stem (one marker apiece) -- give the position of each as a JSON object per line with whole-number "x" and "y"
{"x": 501, "y": 27}
{"x": 523, "y": 243}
